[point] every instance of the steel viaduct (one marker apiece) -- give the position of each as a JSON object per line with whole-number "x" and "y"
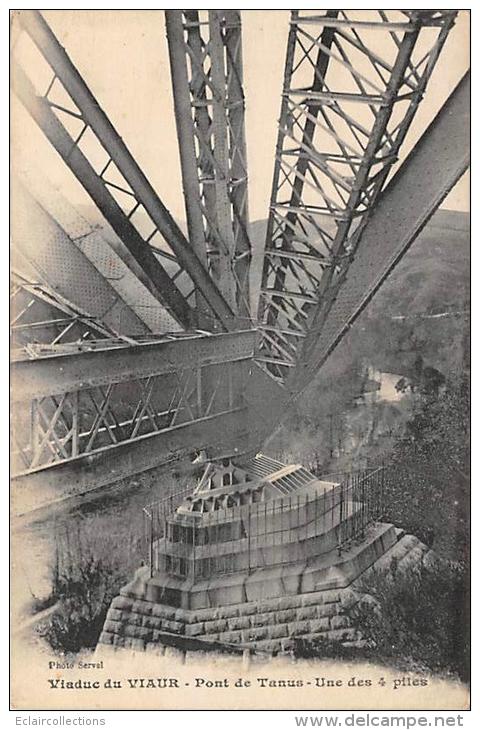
{"x": 113, "y": 375}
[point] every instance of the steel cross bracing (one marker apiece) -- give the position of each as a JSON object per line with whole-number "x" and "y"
{"x": 205, "y": 50}
{"x": 73, "y": 404}
{"x": 41, "y": 319}
{"x": 65, "y": 267}
{"x": 426, "y": 176}
{"x": 82, "y": 421}
{"x": 352, "y": 85}
{"x": 150, "y": 241}
{"x": 45, "y": 253}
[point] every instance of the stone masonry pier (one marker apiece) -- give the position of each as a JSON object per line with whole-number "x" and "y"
{"x": 263, "y": 624}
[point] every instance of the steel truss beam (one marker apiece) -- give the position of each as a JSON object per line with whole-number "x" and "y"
{"x": 73, "y": 406}
{"x": 207, "y": 77}
{"x": 131, "y": 247}
{"x": 162, "y": 257}
{"x": 89, "y": 238}
{"x": 41, "y": 318}
{"x": 37, "y": 494}
{"x": 44, "y": 248}
{"x": 425, "y": 178}
{"x": 350, "y": 93}
{"x": 61, "y": 370}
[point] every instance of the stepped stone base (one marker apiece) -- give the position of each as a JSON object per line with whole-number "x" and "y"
{"x": 262, "y": 612}
{"x": 324, "y": 572}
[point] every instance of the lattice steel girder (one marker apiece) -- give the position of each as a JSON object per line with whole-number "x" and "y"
{"x": 351, "y": 90}
{"x": 207, "y": 77}
{"x": 54, "y": 374}
{"x": 76, "y": 404}
{"x": 42, "y": 491}
{"x": 430, "y": 171}
{"x": 89, "y": 237}
{"x": 169, "y": 243}
{"x": 130, "y": 247}
{"x": 40, "y": 317}
{"x": 58, "y": 427}
{"x": 46, "y": 249}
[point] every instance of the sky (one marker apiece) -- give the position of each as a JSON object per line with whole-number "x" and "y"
{"x": 122, "y": 55}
